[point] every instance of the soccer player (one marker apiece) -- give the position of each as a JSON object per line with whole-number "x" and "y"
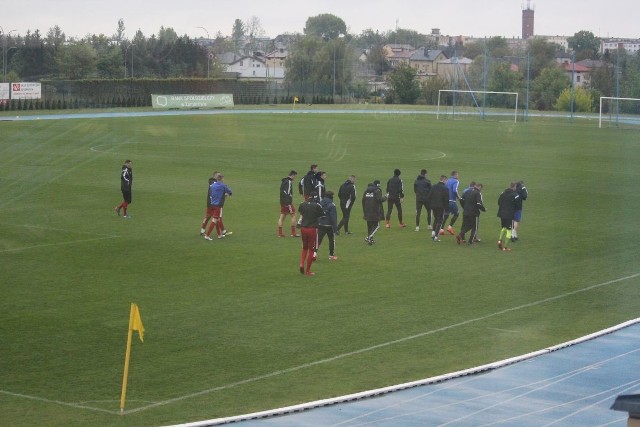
{"x": 422, "y": 187}
{"x": 328, "y": 224}
{"x": 452, "y": 185}
{"x": 438, "y": 200}
{"x": 320, "y": 186}
{"x": 507, "y": 206}
{"x": 472, "y": 204}
{"x": 217, "y": 192}
{"x": 286, "y": 204}
{"x": 126, "y": 181}
{"x": 347, "y": 195}
{"x": 517, "y": 218}
{"x": 311, "y": 212}
{"x": 395, "y": 194}
{"x": 372, "y": 206}
{"x": 308, "y": 182}
{"x": 209, "y": 212}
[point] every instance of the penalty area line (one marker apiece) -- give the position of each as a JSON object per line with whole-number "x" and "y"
{"x": 383, "y": 345}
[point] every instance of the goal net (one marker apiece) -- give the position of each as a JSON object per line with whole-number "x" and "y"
{"x": 453, "y": 103}
{"x": 619, "y": 112}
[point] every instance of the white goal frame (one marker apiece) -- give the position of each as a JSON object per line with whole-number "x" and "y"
{"x": 515, "y": 115}
{"x": 613, "y": 98}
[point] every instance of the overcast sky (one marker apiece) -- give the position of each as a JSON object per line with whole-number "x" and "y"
{"x": 478, "y": 18}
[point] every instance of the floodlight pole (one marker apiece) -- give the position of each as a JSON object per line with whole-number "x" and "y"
{"x": 132, "y": 45}
{"x": 208, "y": 53}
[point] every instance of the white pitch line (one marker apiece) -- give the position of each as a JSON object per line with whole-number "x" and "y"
{"x": 73, "y": 242}
{"x": 382, "y": 345}
{"x": 58, "y": 402}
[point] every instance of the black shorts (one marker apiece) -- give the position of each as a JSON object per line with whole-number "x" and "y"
{"x": 126, "y": 195}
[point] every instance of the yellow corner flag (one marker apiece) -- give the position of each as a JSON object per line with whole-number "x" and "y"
{"x": 136, "y": 321}
{"x": 295, "y": 99}
{"x": 135, "y": 324}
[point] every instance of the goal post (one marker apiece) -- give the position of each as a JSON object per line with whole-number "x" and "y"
{"x": 615, "y": 110}
{"x": 480, "y": 108}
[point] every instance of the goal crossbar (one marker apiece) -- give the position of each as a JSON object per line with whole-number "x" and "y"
{"x": 515, "y": 115}
{"x": 613, "y": 98}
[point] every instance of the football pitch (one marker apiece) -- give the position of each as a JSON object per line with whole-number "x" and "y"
{"x": 231, "y": 325}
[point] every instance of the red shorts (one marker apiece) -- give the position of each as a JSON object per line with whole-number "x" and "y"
{"x": 287, "y": 210}
{"x": 209, "y": 212}
{"x": 216, "y": 211}
{"x": 309, "y": 237}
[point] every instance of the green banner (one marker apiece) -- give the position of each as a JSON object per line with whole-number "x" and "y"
{"x": 192, "y": 101}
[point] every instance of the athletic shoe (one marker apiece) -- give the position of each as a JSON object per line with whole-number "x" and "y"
{"x": 366, "y": 239}
{"x": 295, "y": 235}
{"x": 451, "y": 230}
{"x": 227, "y": 233}
{"x": 402, "y": 225}
{"x": 309, "y": 273}
{"x": 221, "y": 236}
{"x": 348, "y": 232}
{"x": 417, "y": 228}
{"x": 202, "y": 231}
{"x": 337, "y": 233}
{"x": 458, "y": 239}
{"x": 117, "y": 209}
{"x": 315, "y": 257}
{"x": 507, "y": 249}
{"x": 500, "y": 245}
{"x": 476, "y": 240}
{"x": 207, "y": 237}
{"x": 302, "y": 269}
{"x": 441, "y": 232}
{"x": 332, "y": 258}
{"x": 436, "y": 239}
{"x": 387, "y": 225}
{"x": 127, "y": 216}
{"x": 280, "y": 235}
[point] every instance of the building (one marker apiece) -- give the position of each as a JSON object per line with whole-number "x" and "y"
{"x": 254, "y": 68}
{"x": 527, "y": 21}
{"x": 455, "y": 67}
{"x": 581, "y": 74}
{"x": 611, "y": 44}
{"x": 425, "y": 61}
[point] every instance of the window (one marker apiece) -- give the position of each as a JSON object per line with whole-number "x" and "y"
{"x": 578, "y": 78}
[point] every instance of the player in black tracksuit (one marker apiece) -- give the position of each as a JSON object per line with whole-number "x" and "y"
{"x": 395, "y": 194}
{"x": 422, "y": 188}
{"x": 308, "y": 182}
{"x": 347, "y": 195}
{"x": 472, "y": 204}
{"x": 328, "y": 224}
{"x": 438, "y": 199}
{"x": 372, "y": 201}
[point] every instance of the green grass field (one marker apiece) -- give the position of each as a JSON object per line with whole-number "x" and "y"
{"x": 231, "y": 325}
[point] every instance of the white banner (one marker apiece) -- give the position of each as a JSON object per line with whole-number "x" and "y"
{"x": 192, "y": 101}
{"x": 26, "y": 90}
{"x": 4, "y": 91}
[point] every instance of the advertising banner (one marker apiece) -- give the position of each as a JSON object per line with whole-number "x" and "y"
{"x": 26, "y": 90}
{"x": 4, "y": 91}
{"x": 192, "y": 101}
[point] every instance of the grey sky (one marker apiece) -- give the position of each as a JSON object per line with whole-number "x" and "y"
{"x": 76, "y": 18}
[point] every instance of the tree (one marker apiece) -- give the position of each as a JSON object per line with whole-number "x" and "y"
{"x": 546, "y": 88}
{"x": 410, "y": 37}
{"x": 119, "y": 35}
{"x": 300, "y": 63}
{"x": 582, "y": 101}
{"x": 585, "y": 44}
{"x": 237, "y": 33}
{"x": 542, "y": 55}
{"x": 404, "y": 84}
{"x": 77, "y": 61}
{"x": 325, "y": 25}
{"x": 432, "y": 87}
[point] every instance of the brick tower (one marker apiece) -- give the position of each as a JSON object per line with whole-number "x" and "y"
{"x": 527, "y": 21}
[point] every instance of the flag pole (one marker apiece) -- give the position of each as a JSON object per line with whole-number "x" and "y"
{"x": 127, "y": 357}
